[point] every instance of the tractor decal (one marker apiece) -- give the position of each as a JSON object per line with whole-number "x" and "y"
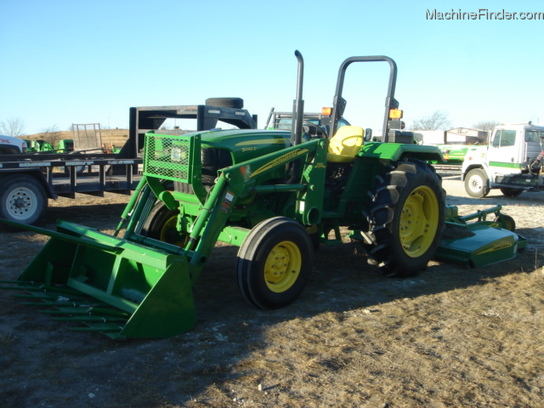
{"x": 282, "y": 159}
{"x": 262, "y": 141}
{"x": 498, "y": 246}
{"x": 227, "y": 201}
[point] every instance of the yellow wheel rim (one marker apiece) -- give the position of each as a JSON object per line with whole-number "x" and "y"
{"x": 419, "y": 221}
{"x": 282, "y": 266}
{"x": 170, "y": 234}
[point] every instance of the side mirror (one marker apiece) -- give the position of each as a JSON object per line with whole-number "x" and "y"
{"x": 368, "y": 134}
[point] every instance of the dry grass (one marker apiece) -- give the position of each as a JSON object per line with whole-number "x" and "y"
{"x": 464, "y": 347}
{"x": 451, "y": 337}
{"x": 476, "y": 346}
{"x": 115, "y": 137}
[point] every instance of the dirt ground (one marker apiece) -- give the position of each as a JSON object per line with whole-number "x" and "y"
{"x": 450, "y": 337}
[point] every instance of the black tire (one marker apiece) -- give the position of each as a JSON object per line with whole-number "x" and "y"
{"x": 237, "y": 103}
{"x": 506, "y": 222}
{"x": 511, "y": 192}
{"x": 315, "y": 237}
{"x": 161, "y": 225}
{"x": 274, "y": 263}
{"x": 406, "y": 218}
{"x": 476, "y": 183}
{"x": 78, "y": 169}
{"x": 22, "y": 199}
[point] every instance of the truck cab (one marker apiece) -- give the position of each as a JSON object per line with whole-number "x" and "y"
{"x": 509, "y": 162}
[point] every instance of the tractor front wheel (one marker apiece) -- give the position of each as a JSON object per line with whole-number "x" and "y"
{"x": 406, "y": 218}
{"x": 161, "y": 225}
{"x": 274, "y": 263}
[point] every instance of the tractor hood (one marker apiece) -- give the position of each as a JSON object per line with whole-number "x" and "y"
{"x": 246, "y": 144}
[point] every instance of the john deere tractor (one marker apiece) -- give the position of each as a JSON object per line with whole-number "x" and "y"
{"x": 277, "y": 195}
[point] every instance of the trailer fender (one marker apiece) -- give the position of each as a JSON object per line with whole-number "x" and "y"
{"x": 38, "y": 175}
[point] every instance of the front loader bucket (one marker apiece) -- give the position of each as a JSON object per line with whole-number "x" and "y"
{"x": 110, "y": 285}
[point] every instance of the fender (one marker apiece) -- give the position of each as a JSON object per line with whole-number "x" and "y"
{"x": 397, "y": 151}
{"x": 37, "y": 174}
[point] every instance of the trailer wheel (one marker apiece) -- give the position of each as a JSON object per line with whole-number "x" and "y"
{"x": 22, "y": 199}
{"x": 406, "y": 219}
{"x": 476, "y": 183}
{"x": 161, "y": 225}
{"x": 274, "y": 263}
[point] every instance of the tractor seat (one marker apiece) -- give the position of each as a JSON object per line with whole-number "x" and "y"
{"x": 345, "y": 144}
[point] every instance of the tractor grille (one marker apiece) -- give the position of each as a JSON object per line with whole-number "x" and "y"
{"x": 169, "y": 157}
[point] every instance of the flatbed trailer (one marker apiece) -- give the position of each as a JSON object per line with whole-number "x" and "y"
{"x": 27, "y": 182}
{"x": 64, "y": 176}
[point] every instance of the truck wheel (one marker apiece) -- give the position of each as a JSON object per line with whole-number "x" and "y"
{"x": 406, "y": 219}
{"x": 274, "y": 263}
{"x": 161, "y": 225}
{"x": 476, "y": 183}
{"x": 22, "y": 199}
{"x": 511, "y": 192}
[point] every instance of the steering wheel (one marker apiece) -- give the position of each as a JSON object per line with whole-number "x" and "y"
{"x": 320, "y": 131}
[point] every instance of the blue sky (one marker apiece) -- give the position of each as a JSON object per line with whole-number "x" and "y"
{"x": 65, "y": 62}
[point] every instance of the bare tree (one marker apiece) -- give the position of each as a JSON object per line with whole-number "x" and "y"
{"x": 50, "y": 134}
{"x": 12, "y": 127}
{"x": 435, "y": 121}
{"x": 486, "y": 125}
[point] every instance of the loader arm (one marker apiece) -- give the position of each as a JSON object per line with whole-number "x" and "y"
{"x": 137, "y": 286}
{"x": 239, "y": 181}
{"x": 250, "y": 177}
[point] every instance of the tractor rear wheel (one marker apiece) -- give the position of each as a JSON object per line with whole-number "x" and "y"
{"x": 406, "y": 218}
{"x": 274, "y": 263}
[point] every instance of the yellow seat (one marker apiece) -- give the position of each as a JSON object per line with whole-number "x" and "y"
{"x": 345, "y": 144}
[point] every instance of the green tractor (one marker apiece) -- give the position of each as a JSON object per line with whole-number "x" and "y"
{"x": 277, "y": 195}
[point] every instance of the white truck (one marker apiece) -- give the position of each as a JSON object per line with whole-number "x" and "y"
{"x": 511, "y": 162}
{"x": 12, "y": 145}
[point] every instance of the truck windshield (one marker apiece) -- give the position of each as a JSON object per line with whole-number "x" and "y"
{"x": 504, "y": 137}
